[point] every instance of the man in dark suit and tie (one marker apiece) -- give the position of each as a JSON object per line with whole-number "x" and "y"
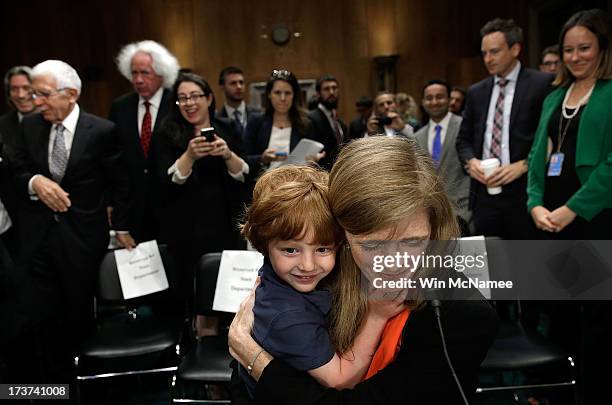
{"x": 327, "y": 128}
{"x": 18, "y": 90}
{"x": 231, "y": 81}
{"x": 152, "y": 69}
{"x": 438, "y": 138}
{"x": 499, "y": 121}
{"x": 67, "y": 166}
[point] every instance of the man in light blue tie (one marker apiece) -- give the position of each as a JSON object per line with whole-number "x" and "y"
{"x": 438, "y": 139}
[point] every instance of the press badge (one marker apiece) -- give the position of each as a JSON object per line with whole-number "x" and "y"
{"x": 556, "y": 163}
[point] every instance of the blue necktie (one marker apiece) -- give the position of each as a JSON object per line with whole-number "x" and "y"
{"x": 436, "y": 150}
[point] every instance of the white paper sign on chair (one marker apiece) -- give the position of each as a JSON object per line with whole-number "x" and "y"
{"x": 237, "y": 274}
{"x": 141, "y": 270}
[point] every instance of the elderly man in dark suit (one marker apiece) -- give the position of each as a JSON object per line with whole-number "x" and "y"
{"x": 438, "y": 138}
{"x": 231, "y": 81}
{"x": 152, "y": 69}
{"x": 67, "y": 166}
{"x": 499, "y": 121}
{"x": 327, "y": 128}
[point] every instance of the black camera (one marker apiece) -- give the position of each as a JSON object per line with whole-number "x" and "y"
{"x": 382, "y": 121}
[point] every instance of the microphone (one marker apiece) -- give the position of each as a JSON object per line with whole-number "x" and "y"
{"x": 436, "y": 304}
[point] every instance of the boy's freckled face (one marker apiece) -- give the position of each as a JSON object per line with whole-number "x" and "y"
{"x": 301, "y": 263}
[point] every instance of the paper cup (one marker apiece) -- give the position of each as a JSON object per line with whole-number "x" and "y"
{"x": 488, "y": 166}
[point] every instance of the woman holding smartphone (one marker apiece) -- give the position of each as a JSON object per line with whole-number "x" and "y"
{"x": 274, "y": 135}
{"x": 202, "y": 179}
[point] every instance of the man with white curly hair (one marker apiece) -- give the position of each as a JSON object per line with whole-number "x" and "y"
{"x": 67, "y": 166}
{"x": 152, "y": 69}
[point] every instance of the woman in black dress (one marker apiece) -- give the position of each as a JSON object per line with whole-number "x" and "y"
{"x": 202, "y": 182}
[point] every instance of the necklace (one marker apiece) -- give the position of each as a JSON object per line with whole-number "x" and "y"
{"x": 576, "y": 108}
{"x": 563, "y": 131}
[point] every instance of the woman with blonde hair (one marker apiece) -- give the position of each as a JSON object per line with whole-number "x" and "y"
{"x": 385, "y": 194}
{"x": 408, "y": 109}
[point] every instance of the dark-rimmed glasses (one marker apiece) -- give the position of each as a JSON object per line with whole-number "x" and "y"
{"x": 194, "y": 97}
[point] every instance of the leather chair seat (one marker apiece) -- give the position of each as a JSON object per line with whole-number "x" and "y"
{"x": 132, "y": 338}
{"x": 515, "y": 349}
{"x": 208, "y": 361}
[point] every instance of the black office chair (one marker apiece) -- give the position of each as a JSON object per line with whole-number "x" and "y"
{"x": 207, "y": 363}
{"x": 133, "y": 337}
{"x": 517, "y": 350}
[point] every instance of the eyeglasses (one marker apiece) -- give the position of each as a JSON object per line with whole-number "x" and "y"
{"x": 195, "y": 97}
{"x": 45, "y": 94}
{"x": 280, "y": 74}
{"x": 551, "y": 63}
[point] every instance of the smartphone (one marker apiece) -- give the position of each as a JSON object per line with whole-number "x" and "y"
{"x": 281, "y": 154}
{"x": 208, "y": 134}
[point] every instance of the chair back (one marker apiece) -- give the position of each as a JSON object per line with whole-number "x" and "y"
{"x": 109, "y": 286}
{"x": 206, "y": 283}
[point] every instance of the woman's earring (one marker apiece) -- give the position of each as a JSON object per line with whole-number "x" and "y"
{"x": 347, "y": 246}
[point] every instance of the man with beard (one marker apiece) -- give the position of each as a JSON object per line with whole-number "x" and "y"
{"x": 457, "y": 100}
{"x": 231, "y": 80}
{"x": 326, "y": 127}
{"x": 438, "y": 138}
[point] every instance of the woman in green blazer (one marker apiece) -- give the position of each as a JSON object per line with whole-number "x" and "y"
{"x": 570, "y": 163}
{"x": 570, "y": 185}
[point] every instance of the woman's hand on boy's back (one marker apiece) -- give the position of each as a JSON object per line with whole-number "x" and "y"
{"x": 242, "y": 346}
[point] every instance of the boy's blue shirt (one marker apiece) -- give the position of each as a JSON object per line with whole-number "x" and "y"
{"x": 290, "y": 325}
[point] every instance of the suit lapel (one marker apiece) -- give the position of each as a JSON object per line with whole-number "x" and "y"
{"x": 295, "y": 138}
{"x": 422, "y": 138}
{"x": 449, "y": 139}
{"x": 131, "y": 115}
{"x": 487, "y": 92}
{"x": 41, "y": 150}
{"x": 223, "y": 112}
{"x": 325, "y": 123}
{"x": 79, "y": 141}
{"x": 519, "y": 92}
{"x": 165, "y": 105}
{"x": 265, "y": 131}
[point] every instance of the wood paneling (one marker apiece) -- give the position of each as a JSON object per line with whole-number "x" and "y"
{"x": 433, "y": 38}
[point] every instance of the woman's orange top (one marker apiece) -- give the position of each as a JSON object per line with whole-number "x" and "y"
{"x": 390, "y": 343}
